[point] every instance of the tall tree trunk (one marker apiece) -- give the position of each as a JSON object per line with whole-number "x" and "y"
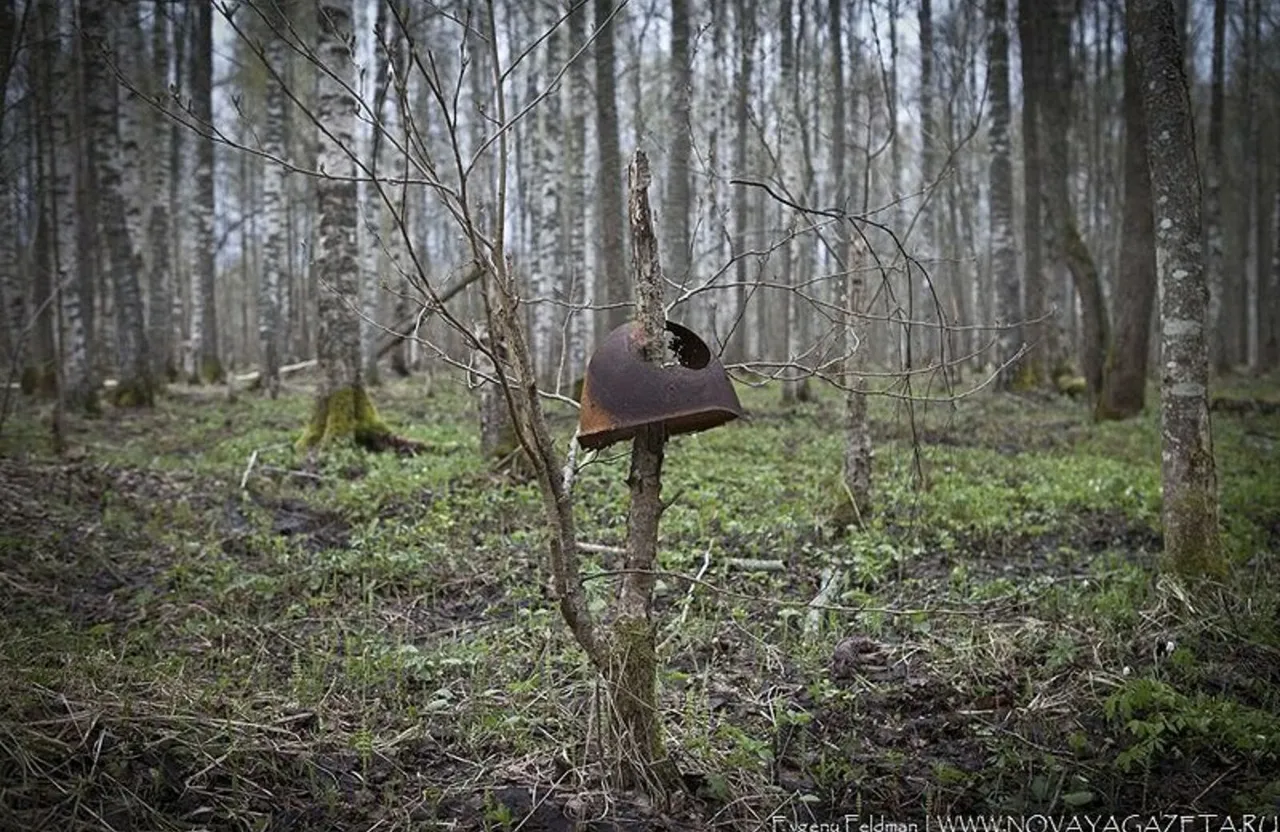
{"x": 573, "y": 208}
{"x": 745, "y": 47}
{"x": 1190, "y": 509}
{"x": 1250, "y": 49}
{"x": 374, "y": 244}
{"x": 180, "y": 151}
{"x": 1004, "y": 258}
{"x": 787, "y": 153}
{"x": 923, "y": 298}
{"x": 13, "y": 317}
{"x": 549, "y": 270}
{"x": 1124, "y": 382}
{"x": 107, "y": 127}
{"x": 1220, "y": 346}
{"x": 159, "y": 271}
{"x": 1043, "y": 332}
{"x": 208, "y": 357}
{"x": 1069, "y": 247}
{"x": 343, "y": 409}
{"x": 856, "y": 468}
{"x": 676, "y": 228}
{"x": 44, "y": 376}
{"x": 78, "y": 392}
{"x": 274, "y": 215}
{"x": 609, "y": 212}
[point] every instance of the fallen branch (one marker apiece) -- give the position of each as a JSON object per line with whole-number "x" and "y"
{"x": 832, "y": 581}
{"x": 757, "y": 565}
{"x": 409, "y": 324}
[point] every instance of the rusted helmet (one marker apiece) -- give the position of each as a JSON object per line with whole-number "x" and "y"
{"x": 623, "y": 393}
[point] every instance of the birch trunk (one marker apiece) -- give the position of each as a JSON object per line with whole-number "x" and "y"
{"x": 676, "y": 232}
{"x": 343, "y": 409}
{"x": 274, "y": 215}
{"x": 1004, "y": 263}
{"x": 1190, "y": 509}
{"x": 112, "y": 160}
{"x": 77, "y": 388}
{"x": 159, "y": 271}
{"x": 745, "y": 46}
{"x": 611, "y": 269}
{"x": 548, "y": 274}
{"x": 857, "y": 431}
{"x": 573, "y": 208}
{"x": 204, "y": 324}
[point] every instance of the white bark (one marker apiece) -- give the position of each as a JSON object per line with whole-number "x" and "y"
{"x": 274, "y": 215}
{"x": 114, "y": 150}
{"x": 548, "y": 272}
{"x": 338, "y": 334}
{"x": 77, "y": 384}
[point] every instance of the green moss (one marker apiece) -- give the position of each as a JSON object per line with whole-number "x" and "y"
{"x": 1069, "y": 385}
{"x": 1199, "y": 553}
{"x": 136, "y": 393}
{"x": 1027, "y": 377}
{"x": 345, "y": 413}
{"x": 211, "y": 371}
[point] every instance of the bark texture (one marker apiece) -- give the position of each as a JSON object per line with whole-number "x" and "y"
{"x": 676, "y": 221}
{"x": 343, "y": 410}
{"x": 109, "y": 154}
{"x": 1004, "y": 258}
{"x": 1220, "y": 346}
{"x": 208, "y": 367}
{"x": 1190, "y": 509}
{"x": 274, "y": 215}
{"x": 78, "y": 391}
{"x": 612, "y": 290}
{"x": 1069, "y": 247}
{"x": 1042, "y": 331}
{"x": 633, "y": 664}
{"x": 856, "y": 464}
{"x": 159, "y": 265}
{"x": 1124, "y": 382}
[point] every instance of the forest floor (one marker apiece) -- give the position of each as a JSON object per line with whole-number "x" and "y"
{"x": 202, "y": 628}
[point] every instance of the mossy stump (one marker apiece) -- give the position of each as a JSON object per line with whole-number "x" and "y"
{"x": 347, "y": 413}
{"x": 137, "y": 393}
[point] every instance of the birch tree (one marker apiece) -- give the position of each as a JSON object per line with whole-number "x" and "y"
{"x": 343, "y": 409}
{"x": 611, "y": 269}
{"x": 274, "y": 215}
{"x": 1190, "y": 509}
{"x": 159, "y": 271}
{"x": 676, "y": 230}
{"x": 112, "y": 159}
{"x": 1004, "y": 265}
{"x": 204, "y": 313}
{"x": 856, "y": 469}
{"x": 77, "y": 388}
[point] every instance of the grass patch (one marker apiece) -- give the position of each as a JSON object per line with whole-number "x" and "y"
{"x": 205, "y": 627}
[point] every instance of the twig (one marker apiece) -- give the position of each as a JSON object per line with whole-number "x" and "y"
{"x": 685, "y": 605}
{"x": 248, "y": 469}
{"x": 832, "y": 581}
